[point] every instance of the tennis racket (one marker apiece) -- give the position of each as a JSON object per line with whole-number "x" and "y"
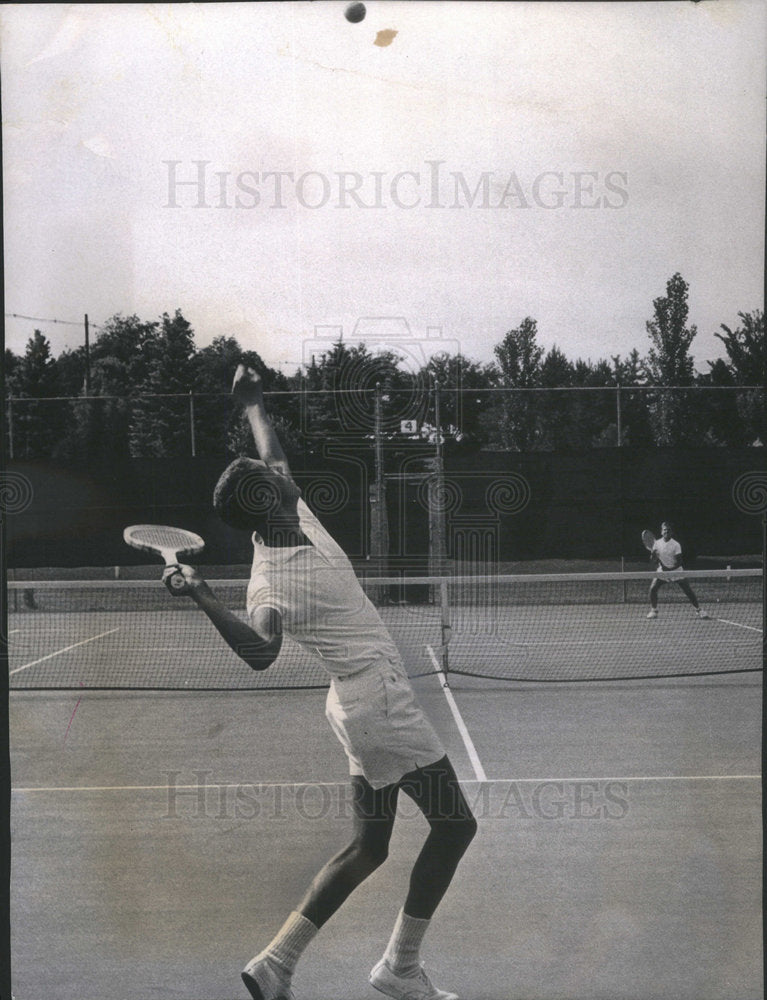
{"x": 648, "y": 540}
{"x": 171, "y": 544}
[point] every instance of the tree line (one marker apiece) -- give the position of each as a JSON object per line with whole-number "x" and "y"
{"x": 153, "y": 393}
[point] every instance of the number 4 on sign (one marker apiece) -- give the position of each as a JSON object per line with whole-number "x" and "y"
{"x": 408, "y": 426}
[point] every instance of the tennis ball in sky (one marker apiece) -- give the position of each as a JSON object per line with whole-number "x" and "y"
{"x": 355, "y": 12}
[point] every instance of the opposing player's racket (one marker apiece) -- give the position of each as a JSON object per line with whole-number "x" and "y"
{"x": 171, "y": 544}
{"x": 648, "y": 540}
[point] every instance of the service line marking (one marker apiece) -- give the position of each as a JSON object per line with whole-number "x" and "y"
{"x": 66, "y": 649}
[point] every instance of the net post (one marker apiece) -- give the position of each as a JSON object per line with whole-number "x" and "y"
{"x": 436, "y": 482}
{"x": 445, "y": 630}
{"x": 379, "y": 528}
{"x": 764, "y": 586}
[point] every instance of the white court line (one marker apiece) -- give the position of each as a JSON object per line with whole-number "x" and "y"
{"x": 726, "y": 621}
{"x": 343, "y": 784}
{"x": 64, "y": 650}
{"x": 476, "y": 763}
{"x": 186, "y": 788}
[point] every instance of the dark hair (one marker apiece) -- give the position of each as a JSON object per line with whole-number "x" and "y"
{"x": 245, "y": 494}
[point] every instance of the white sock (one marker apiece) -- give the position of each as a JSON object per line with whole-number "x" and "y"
{"x": 290, "y": 942}
{"x": 402, "y": 953}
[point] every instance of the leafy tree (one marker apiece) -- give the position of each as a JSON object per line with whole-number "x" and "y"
{"x": 519, "y": 356}
{"x": 595, "y": 419}
{"x": 99, "y": 429}
{"x": 37, "y": 370}
{"x": 132, "y": 344}
{"x": 339, "y": 400}
{"x": 36, "y": 424}
{"x": 556, "y": 371}
{"x": 513, "y": 418}
{"x": 11, "y": 368}
{"x": 719, "y": 410}
{"x": 463, "y": 396}
{"x": 70, "y": 366}
{"x": 740, "y": 418}
{"x": 746, "y": 350}
{"x": 631, "y": 373}
{"x": 161, "y": 416}
{"x": 669, "y": 363}
{"x": 221, "y": 428}
{"x": 554, "y": 410}
{"x": 100, "y": 426}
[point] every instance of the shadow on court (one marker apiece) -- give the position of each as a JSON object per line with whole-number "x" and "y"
{"x": 160, "y": 839}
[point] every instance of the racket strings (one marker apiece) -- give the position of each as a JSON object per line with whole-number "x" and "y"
{"x": 163, "y": 537}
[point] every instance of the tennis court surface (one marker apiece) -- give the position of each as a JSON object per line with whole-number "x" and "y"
{"x": 161, "y": 836}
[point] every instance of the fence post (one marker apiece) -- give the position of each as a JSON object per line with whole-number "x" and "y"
{"x": 10, "y": 426}
{"x": 87, "y": 359}
{"x": 191, "y": 423}
{"x": 618, "y": 414}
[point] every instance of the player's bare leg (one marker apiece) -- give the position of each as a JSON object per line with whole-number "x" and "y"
{"x": 654, "y": 588}
{"x": 689, "y": 593}
{"x": 436, "y": 791}
{"x": 374, "y": 814}
{"x": 269, "y": 974}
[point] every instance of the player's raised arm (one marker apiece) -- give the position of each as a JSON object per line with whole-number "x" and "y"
{"x": 259, "y": 651}
{"x": 248, "y": 390}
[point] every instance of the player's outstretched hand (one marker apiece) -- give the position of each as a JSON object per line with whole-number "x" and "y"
{"x": 181, "y": 579}
{"x": 246, "y": 387}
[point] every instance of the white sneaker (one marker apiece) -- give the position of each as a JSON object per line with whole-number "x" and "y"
{"x": 417, "y": 986}
{"x": 265, "y": 980}
{"x": 702, "y": 613}
{"x": 652, "y": 613}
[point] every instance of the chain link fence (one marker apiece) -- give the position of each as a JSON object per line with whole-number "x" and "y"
{"x": 515, "y": 420}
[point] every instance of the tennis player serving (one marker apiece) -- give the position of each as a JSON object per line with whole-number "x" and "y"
{"x": 303, "y": 584}
{"x": 666, "y": 553}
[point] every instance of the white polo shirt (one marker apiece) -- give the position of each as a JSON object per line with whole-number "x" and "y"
{"x": 667, "y": 553}
{"x": 322, "y": 604}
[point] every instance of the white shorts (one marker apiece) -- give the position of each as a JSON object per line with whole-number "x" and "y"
{"x": 382, "y": 728}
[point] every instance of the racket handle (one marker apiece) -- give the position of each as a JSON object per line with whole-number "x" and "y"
{"x": 175, "y": 583}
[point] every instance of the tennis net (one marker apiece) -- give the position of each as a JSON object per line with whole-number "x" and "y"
{"x": 529, "y": 628}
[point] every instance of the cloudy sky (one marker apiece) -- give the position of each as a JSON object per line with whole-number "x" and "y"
{"x": 281, "y": 175}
